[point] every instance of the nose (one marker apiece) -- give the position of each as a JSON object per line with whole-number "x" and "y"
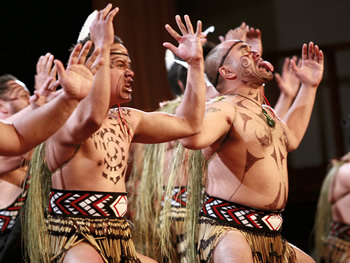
{"x": 129, "y": 72}
{"x": 256, "y": 54}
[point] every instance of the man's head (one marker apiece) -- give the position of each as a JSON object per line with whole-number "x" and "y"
{"x": 234, "y": 60}
{"x": 14, "y": 96}
{"x": 121, "y": 72}
{"x": 177, "y": 77}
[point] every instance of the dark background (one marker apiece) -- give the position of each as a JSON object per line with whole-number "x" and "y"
{"x": 31, "y": 28}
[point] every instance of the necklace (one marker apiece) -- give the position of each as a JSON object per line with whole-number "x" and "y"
{"x": 269, "y": 120}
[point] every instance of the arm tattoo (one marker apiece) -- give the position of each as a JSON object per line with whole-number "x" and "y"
{"x": 212, "y": 109}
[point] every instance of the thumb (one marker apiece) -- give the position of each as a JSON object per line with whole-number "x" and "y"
{"x": 278, "y": 78}
{"x": 60, "y": 69}
{"x": 294, "y": 66}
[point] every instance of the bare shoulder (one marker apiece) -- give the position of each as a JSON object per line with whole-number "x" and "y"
{"x": 220, "y": 107}
{"x": 343, "y": 176}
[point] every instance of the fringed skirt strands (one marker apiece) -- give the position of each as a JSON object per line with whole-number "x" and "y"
{"x": 261, "y": 229}
{"x": 93, "y": 217}
{"x": 337, "y": 245}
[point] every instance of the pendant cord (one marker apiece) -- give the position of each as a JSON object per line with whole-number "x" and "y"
{"x": 269, "y": 120}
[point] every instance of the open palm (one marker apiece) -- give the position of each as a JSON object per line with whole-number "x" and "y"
{"x": 311, "y": 70}
{"x": 190, "y": 48}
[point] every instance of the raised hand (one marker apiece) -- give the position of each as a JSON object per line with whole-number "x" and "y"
{"x": 311, "y": 70}
{"x": 250, "y": 35}
{"x": 288, "y": 83}
{"x": 190, "y": 48}
{"x": 76, "y": 80}
{"x": 253, "y": 38}
{"x": 45, "y": 69}
{"x": 101, "y": 29}
{"x": 239, "y": 32}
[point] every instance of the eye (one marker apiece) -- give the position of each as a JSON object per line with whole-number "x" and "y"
{"x": 246, "y": 51}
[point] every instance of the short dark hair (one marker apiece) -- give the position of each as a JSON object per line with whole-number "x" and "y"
{"x": 175, "y": 73}
{"x": 3, "y": 84}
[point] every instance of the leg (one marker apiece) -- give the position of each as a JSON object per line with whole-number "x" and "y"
{"x": 145, "y": 259}
{"x": 302, "y": 257}
{"x": 232, "y": 247}
{"x": 83, "y": 252}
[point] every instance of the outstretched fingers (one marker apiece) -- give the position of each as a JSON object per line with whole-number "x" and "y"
{"x": 189, "y": 25}
{"x": 61, "y": 72}
{"x": 181, "y": 25}
{"x": 92, "y": 63}
{"x": 112, "y": 14}
{"x": 304, "y": 54}
{"x": 311, "y": 50}
{"x": 199, "y": 29}
{"x": 173, "y": 33}
{"x": 104, "y": 12}
{"x": 84, "y": 52}
{"x": 318, "y": 55}
{"x": 74, "y": 55}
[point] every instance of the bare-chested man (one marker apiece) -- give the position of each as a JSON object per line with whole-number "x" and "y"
{"x": 15, "y": 97}
{"x": 88, "y": 156}
{"x": 246, "y": 146}
{"x": 332, "y": 221}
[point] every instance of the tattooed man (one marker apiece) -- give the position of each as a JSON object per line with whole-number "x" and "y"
{"x": 88, "y": 156}
{"x": 246, "y": 145}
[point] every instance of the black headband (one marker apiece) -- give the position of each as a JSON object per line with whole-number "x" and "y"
{"x": 223, "y": 60}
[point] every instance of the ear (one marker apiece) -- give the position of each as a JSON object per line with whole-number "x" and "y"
{"x": 3, "y": 109}
{"x": 227, "y": 73}
{"x": 181, "y": 85}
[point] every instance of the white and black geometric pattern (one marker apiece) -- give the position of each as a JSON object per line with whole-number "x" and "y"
{"x": 9, "y": 215}
{"x": 240, "y": 216}
{"x": 178, "y": 196}
{"x": 88, "y": 204}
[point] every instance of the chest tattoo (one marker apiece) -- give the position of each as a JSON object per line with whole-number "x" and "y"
{"x": 245, "y": 119}
{"x": 110, "y": 143}
{"x": 274, "y": 204}
{"x": 250, "y": 161}
{"x": 126, "y": 111}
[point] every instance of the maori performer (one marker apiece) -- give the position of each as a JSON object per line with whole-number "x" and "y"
{"x": 246, "y": 145}
{"x": 88, "y": 157}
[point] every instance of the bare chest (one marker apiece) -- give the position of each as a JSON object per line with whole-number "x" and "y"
{"x": 109, "y": 147}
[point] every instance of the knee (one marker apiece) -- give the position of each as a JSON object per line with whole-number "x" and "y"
{"x": 83, "y": 252}
{"x": 233, "y": 247}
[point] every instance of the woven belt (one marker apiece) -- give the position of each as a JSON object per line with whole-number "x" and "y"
{"x": 241, "y": 217}
{"x": 340, "y": 230}
{"x": 88, "y": 204}
{"x": 178, "y": 196}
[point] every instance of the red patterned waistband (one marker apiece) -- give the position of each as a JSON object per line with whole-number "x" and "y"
{"x": 90, "y": 204}
{"x": 241, "y": 217}
{"x": 178, "y": 196}
{"x": 340, "y": 230}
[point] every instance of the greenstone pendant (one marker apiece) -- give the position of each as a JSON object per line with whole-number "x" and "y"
{"x": 269, "y": 120}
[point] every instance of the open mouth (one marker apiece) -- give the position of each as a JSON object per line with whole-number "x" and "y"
{"x": 266, "y": 65}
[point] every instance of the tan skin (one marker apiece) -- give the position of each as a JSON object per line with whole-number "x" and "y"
{"x": 340, "y": 195}
{"x": 250, "y": 166}
{"x": 12, "y": 168}
{"x": 101, "y": 162}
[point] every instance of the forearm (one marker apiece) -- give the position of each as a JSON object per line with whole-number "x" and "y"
{"x": 282, "y": 105}
{"x": 192, "y": 106}
{"x": 298, "y": 116}
{"x": 94, "y": 108}
{"x": 8, "y": 164}
{"x": 39, "y": 125}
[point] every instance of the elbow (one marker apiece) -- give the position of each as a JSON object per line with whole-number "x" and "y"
{"x": 293, "y": 145}
{"x": 195, "y": 128}
{"x": 190, "y": 143}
